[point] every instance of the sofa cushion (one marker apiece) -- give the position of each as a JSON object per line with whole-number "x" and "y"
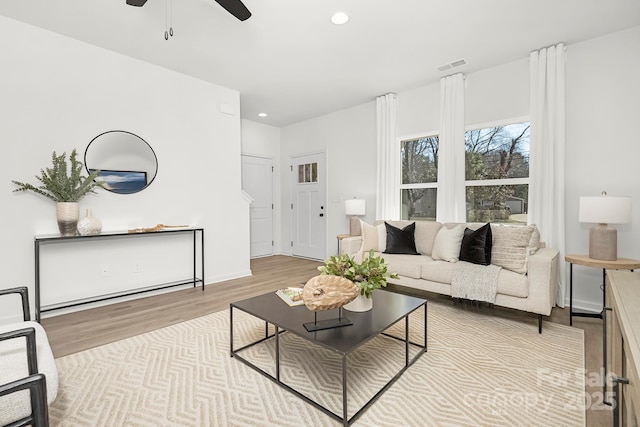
{"x": 401, "y": 241}
{"x": 438, "y": 271}
{"x": 513, "y": 284}
{"x": 476, "y": 245}
{"x": 446, "y": 246}
{"x": 511, "y": 246}
{"x": 426, "y": 232}
{"x": 406, "y": 265}
{"x": 373, "y": 237}
{"x": 509, "y": 283}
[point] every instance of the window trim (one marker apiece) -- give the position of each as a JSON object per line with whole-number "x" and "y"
{"x": 502, "y": 181}
{"x": 467, "y": 183}
{"x": 414, "y": 186}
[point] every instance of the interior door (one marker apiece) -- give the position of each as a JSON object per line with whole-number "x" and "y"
{"x": 257, "y": 181}
{"x": 309, "y": 212}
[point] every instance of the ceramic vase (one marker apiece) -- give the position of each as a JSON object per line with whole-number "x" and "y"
{"x": 89, "y": 225}
{"x": 67, "y": 216}
{"x": 361, "y": 303}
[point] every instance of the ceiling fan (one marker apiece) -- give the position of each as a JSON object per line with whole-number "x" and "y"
{"x": 234, "y": 7}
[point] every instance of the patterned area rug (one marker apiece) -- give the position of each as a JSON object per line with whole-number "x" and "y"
{"x": 480, "y": 370}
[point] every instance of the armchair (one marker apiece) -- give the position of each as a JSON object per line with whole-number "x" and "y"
{"x": 28, "y": 378}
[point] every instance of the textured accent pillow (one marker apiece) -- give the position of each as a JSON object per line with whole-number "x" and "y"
{"x": 476, "y": 245}
{"x": 446, "y": 247}
{"x": 373, "y": 237}
{"x": 534, "y": 243}
{"x": 401, "y": 241}
{"x": 511, "y": 246}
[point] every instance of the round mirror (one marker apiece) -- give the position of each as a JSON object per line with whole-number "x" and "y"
{"x": 126, "y": 162}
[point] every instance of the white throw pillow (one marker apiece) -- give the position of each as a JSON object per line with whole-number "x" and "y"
{"x": 373, "y": 237}
{"x": 446, "y": 247}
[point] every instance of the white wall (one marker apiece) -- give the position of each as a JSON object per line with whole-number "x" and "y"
{"x": 260, "y": 140}
{"x": 603, "y": 100}
{"x": 349, "y": 140}
{"x": 603, "y": 144}
{"x": 58, "y": 94}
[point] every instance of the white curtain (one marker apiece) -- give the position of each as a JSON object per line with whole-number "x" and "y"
{"x": 451, "y": 186}
{"x": 547, "y": 152}
{"x": 388, "y": 179}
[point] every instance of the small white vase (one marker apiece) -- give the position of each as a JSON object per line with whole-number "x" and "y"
{"x": 67, "y": 216}
{"x": 361, "y": 303}
{"x": 89, "y": 225}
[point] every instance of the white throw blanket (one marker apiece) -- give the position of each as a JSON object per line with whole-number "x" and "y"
{"x": 475, "y": 282}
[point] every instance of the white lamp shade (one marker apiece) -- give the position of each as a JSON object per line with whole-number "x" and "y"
{"x": 605, "y": 209}
{"x": 354, "y": 207}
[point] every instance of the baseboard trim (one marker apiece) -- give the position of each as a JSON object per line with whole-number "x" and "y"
{"x": 225, "y": 277}
{"x": 583, "y": 305}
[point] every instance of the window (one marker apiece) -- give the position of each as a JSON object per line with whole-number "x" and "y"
{"x": 497, "y": 173}
{"x": 307, "y": 173}
{"x": 419, "y": 178}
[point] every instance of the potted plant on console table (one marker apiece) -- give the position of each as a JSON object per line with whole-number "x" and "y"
{"x": 368, "y": 275}
{"x": 65, "y": 187}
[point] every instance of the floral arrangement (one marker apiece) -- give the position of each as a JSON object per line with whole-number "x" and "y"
{"x": 370, "y": 274}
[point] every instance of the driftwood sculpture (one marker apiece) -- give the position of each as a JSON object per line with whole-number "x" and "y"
{"x": 326, "y": 292}
{"x": 157, "y": 227}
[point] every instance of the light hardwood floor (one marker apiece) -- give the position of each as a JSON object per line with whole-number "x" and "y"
{"x": 71, "y": 333}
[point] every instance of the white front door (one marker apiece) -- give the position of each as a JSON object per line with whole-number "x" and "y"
{"x": 257, "y": 177}
{"x": 309, "y": 207}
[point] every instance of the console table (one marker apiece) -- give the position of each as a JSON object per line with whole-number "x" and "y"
{"x": 45, "y": 240}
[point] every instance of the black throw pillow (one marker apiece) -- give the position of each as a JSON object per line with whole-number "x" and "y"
{"x": 476, "y": 245}
{"x": 401, "y": 241}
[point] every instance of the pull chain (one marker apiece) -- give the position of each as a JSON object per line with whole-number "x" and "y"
{"x": 171, "y": 18}
{"x": 168, "y": 18}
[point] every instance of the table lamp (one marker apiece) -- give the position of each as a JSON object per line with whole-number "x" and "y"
{"x": 354, "y": 207}
{"x": 603, "y": 210}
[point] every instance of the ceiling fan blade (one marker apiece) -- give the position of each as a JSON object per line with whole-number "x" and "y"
{"x": 137, "y": 3}
{"x": 234, "y": 7}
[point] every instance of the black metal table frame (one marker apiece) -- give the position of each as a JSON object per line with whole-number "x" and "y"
{"x": 346, "y": 421}
{"x": 38, "y": 241}
{"x": 601, "y": 315}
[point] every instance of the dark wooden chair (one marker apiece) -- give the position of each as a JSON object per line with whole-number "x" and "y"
{"x": 27, "y": 364}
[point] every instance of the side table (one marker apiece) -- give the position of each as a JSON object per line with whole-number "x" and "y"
{"x": 584, "y": 260}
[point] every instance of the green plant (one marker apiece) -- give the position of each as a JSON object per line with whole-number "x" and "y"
{"x": 61, "y": 186}
{"x": 370, "y": 274}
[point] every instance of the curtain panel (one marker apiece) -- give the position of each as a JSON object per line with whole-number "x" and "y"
{"x": 388, "y": 161}
{"x": 451, "y": 205}
{"x": 547, "y": 152}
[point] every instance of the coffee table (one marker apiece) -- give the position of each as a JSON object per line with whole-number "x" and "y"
{"x": 388, "y": 308}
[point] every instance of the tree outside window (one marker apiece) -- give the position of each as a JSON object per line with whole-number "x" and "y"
{"x": 419, "y": 178}
{"x": 497, "y": 173}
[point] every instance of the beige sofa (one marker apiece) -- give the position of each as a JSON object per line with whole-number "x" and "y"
{"x": 527, "y": 279}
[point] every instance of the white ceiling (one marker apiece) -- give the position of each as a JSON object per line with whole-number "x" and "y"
{"x": 290, "y": 61}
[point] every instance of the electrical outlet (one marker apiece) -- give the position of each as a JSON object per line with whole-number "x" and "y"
{"x": 137, "y": 268}
{"x": 105, "y": 270}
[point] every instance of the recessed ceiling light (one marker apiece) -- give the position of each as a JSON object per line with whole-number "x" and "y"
{"x": 262, "y": 114}
{"x": 340, "y": 18}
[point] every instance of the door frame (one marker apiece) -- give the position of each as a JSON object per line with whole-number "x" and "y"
{"x": 325, "y": 170}
{"x": 273, "y": 204}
